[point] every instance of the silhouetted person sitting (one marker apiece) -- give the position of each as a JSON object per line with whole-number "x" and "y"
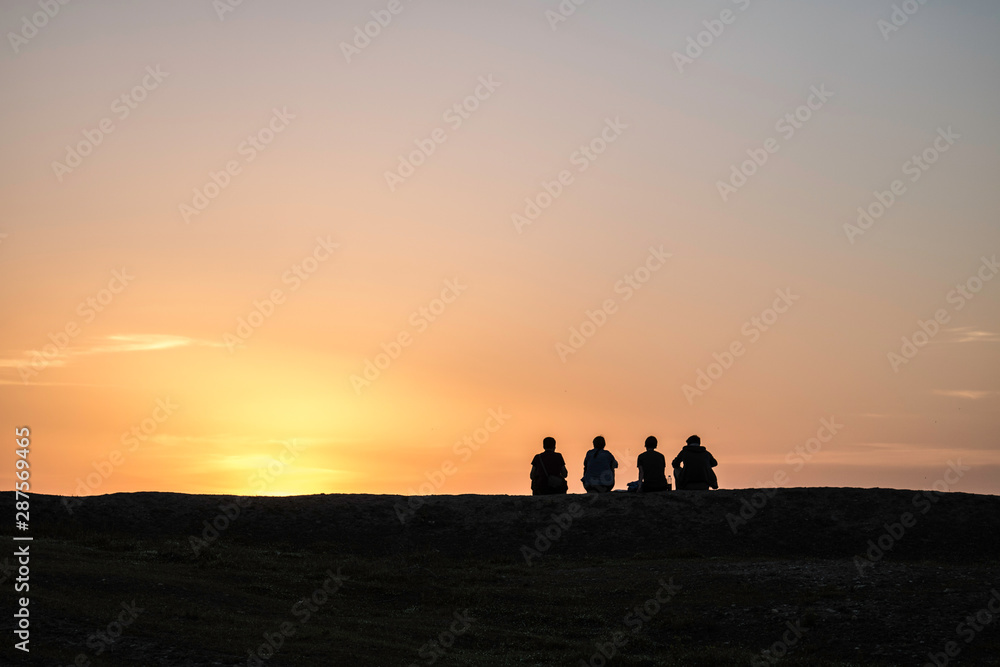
{"x": 599, "y": 468}
{"x": 548, "y": 471}
{"x": 652, "y": 469}
{"x": 696, "y": 473}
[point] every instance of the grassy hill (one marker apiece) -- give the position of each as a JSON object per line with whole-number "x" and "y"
{"x": 818, "y": 576}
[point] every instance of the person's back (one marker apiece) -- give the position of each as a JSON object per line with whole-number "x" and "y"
{"x": 695, "y": 464}
{"x": 599, "y": 468}
{"x": 548, "y": 471}
{"x": 652, "y": 469}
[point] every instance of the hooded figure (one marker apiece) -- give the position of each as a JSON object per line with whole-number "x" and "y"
{"x": 693, "y": 467}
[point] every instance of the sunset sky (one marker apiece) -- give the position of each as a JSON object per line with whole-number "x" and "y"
{"x": 251, "y": 249}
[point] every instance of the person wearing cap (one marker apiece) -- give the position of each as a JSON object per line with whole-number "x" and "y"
{"x": 599, "y": 468}
{"x": 652, "y": 467}
{"x": 693, "y": 467}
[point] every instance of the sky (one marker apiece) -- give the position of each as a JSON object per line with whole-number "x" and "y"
{"x": 388, "y": 246}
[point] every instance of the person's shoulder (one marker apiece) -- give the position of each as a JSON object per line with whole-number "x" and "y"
{"x": 536, "y": 459}
{"x": 558, "y": 455}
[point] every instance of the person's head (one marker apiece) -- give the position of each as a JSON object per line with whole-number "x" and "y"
{"x": 694, "y": 441}
{"x": 651, "y": 442}
{"x": 549, "y": 444}
{"x": 599, "y": 442}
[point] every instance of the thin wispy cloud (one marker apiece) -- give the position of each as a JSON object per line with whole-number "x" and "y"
{"x": 885, "y": 415}
{"x": 143, "y": 342}
{"x": 26, "y": 357}
{"x": 867, "y": 454}
{"x": 973, "y": 335}
{"x": 904, "y": 455}
{"x": 241, "y": 443}
{"x": 971, "y": 394}
{"x": 113, "y": 344}
{"x": 21, "y": 383}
